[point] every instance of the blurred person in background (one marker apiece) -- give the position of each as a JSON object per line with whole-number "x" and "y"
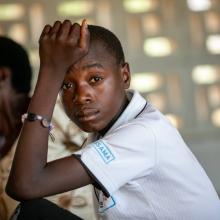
{"x": 15, "y": 85}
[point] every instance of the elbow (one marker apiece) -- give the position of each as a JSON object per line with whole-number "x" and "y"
{"x": 19, "y": 191}
{"x": 13, "y": 193}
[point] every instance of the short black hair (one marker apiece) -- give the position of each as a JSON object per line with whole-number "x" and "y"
{"x": 14, "y": 56}
{"x": 109, "y": 40}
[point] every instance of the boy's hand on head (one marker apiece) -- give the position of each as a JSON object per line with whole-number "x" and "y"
{"x": 63, "y": 44}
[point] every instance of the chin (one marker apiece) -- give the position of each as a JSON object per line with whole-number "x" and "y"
{"x": 90, "y": 128}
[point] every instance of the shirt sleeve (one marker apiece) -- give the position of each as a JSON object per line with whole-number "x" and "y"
{"x": 127, "y": 153}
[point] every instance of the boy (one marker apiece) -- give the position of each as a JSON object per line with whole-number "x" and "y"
{"x": 138, "y": 163}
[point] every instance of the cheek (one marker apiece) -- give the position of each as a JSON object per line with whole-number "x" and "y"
{"x": 112, "y": 97}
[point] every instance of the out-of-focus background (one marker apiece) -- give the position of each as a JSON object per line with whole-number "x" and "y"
{"x": 173, "y": 48}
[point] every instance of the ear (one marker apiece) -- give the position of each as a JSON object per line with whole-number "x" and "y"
{"x": 126, "y": 76}
{"x": 5, "y": 76}
{"x": 6, "y": 95}
{"x": 5, "y": 85}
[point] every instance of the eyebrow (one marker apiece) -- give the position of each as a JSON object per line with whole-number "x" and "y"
{"x": 98, "y": 65}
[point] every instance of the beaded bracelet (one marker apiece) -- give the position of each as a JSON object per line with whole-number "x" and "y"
{"x": 44, "y": 121}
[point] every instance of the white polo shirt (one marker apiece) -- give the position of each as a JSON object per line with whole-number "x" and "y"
{"x": 148, "y": 172}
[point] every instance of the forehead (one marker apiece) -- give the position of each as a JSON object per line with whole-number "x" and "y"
{"x": 97, "y": 54}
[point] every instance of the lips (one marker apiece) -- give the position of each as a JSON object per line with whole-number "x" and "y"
{"x": 87, "y": 114}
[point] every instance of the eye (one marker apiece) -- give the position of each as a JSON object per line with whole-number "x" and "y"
{"x": 67, "y": 86}
{"x": 95, "y": 79}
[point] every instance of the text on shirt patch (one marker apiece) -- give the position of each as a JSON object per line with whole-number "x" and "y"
{"x": 103, "y": 150}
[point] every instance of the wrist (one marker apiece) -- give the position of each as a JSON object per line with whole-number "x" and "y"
{"x": 45, "y": 92}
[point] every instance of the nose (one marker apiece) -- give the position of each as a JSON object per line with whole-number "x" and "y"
{"x": 82, "y": 95}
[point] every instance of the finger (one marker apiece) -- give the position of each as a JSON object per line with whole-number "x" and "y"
{"x": 75, "y": 33}
{"x": 55, "y": 28}
{"x": 45, "y": 31}
{"x": 84, "y": 35}
{"x": 65, "y": 29}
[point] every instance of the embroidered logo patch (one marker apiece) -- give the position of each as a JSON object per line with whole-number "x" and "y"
{"x": 103, "y": 150}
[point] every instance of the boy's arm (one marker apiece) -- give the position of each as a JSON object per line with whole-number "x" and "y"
{"x": 31, "y": 176}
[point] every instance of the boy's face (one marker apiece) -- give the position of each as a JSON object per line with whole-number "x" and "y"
{"x": 93, "y": 92}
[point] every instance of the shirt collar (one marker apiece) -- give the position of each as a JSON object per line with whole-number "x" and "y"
{"x": 134, "y": 108}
